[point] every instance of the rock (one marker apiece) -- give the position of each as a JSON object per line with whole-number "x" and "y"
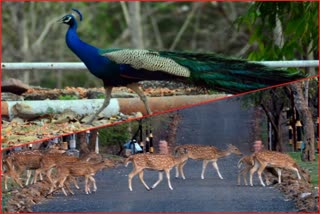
{"x": 14, "y": 86}
{"x": 66, "y": 116}
{"x": 24, "y": 111}
{"x": 305, "y": 194}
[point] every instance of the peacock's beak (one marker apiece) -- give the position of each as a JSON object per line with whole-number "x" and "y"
{"x": 60, "y": 20}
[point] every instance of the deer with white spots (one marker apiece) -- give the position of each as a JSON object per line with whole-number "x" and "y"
{"x": 207, "y": 154}
{"x": 273, "y": 159}
{"x": 156, "y": 162}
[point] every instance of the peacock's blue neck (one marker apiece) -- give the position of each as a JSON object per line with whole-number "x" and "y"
{"x": 89, "y": 54}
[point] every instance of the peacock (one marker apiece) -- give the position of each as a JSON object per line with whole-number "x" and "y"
{"x": 126, "y": 67}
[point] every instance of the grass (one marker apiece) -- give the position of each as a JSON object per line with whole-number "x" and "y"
{"x": 312, "y": 167}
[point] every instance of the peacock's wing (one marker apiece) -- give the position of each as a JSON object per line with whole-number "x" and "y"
{"x": 203, "y": 69}
{"x": 147, "y": 60}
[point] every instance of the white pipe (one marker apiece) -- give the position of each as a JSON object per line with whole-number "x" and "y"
{"x": 81, "y": 66}
{"x": 290, "y": 64}
{"x": 43, "y": 66}
{"x": 84, "y": 107}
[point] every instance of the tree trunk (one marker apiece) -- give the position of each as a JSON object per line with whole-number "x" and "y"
{"x": 92, "y": 139}
{"x": 306, "y": 116}
{"x": 83, "y": 143}
{"x": 276, "y": 126}
{"x": 135, "y": 25}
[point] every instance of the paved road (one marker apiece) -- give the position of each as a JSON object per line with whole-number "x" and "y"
{"x": 218, "y": 124}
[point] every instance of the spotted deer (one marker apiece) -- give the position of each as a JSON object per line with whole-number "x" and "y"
{"x": 78, "y": 169}
{"x": 273, "y": 159}
{"x": 39, "y": 161}
{"x": 207, "y": 154}
{"x": 156, "y": 162}
{"x": 49, "y": 161}
{"x": 22, "y": 161}
{"x": 9, "y": 172}
{"x": 248, "y": 162}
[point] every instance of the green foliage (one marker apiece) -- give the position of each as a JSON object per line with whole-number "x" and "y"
{"x": 265, "y": 96}
{"x": 50, "y": 110}
{"x": 68, "y": 97}
{"x": 311, "y": 167}
{"x": 101, "y": 96}
{"x": 299, "y": 21}
{"x": 118, "y": 134}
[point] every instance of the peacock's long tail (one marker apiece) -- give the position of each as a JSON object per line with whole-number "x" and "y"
{"x": 230, "y": 75}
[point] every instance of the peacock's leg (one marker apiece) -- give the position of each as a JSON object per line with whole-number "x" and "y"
{"x": 135, "y": 88}
{"x": 106, "y": 102}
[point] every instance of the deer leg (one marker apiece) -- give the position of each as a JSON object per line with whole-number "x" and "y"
{"x": 131, "y": 175}
{"x": 177, "y": 170}
{"x": 106, "y": 102}
{"x": 61, "y": 185}
{"x": 14, "y": 176}
{"x": 135, "y": 88}
{"x": 204, "y": 166}
{"x": 35, "y": 177}
{"x": 215, "y": 165}
{"x": 28, "y": 177}
{"x": 40, "y": 176}
{"x": 260, "y": 170}
{"x": 243, "y": 173}
{"x": 252, "y": 171}
{"x": 246, "y": 170}
{"x": 267, "y": 179}
{"x": 48, "y": 174}
{"x": 181, "y": 170}
{"x": 158, "y": 181}
{"x": 86, "y": 188}
{"x": 239, "y": 177}
{"x": 142, "y": 180}
{"x": 297, "y": 171}
{"x": 5, "y": 178}
{"x": 68, "y": 186}
{"x": 168, "y": 178}
{"x": 75, "y": 183}
{"x": 94, "y": 183}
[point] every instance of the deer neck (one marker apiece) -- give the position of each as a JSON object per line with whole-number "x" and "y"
{"x": 99, "y": 166}
{"x": 223, "y": 153}
{"x": 181, "y": 159}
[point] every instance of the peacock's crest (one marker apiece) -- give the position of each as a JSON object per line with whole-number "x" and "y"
{"x": 78, "y": 13}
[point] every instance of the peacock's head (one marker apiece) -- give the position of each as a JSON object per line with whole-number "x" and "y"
{"x": 70, "y": 18}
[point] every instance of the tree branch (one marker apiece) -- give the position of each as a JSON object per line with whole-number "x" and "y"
{"x": 185, "y": 25}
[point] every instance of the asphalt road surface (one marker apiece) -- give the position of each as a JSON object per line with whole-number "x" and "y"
{"x": 218, "y": 124}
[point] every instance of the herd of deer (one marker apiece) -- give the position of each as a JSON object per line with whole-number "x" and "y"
{"x": 164, "y": 163}
{"x": 68, "y": 168}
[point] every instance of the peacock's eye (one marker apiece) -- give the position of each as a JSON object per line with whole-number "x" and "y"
{"x": 66, "y": 19}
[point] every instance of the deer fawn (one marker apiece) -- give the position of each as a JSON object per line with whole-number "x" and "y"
{"x": 77, "y": 169}
{"x": 207, "y": 154}
{"x": 157, "y": 162}
{"x": 273, "y": 159}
